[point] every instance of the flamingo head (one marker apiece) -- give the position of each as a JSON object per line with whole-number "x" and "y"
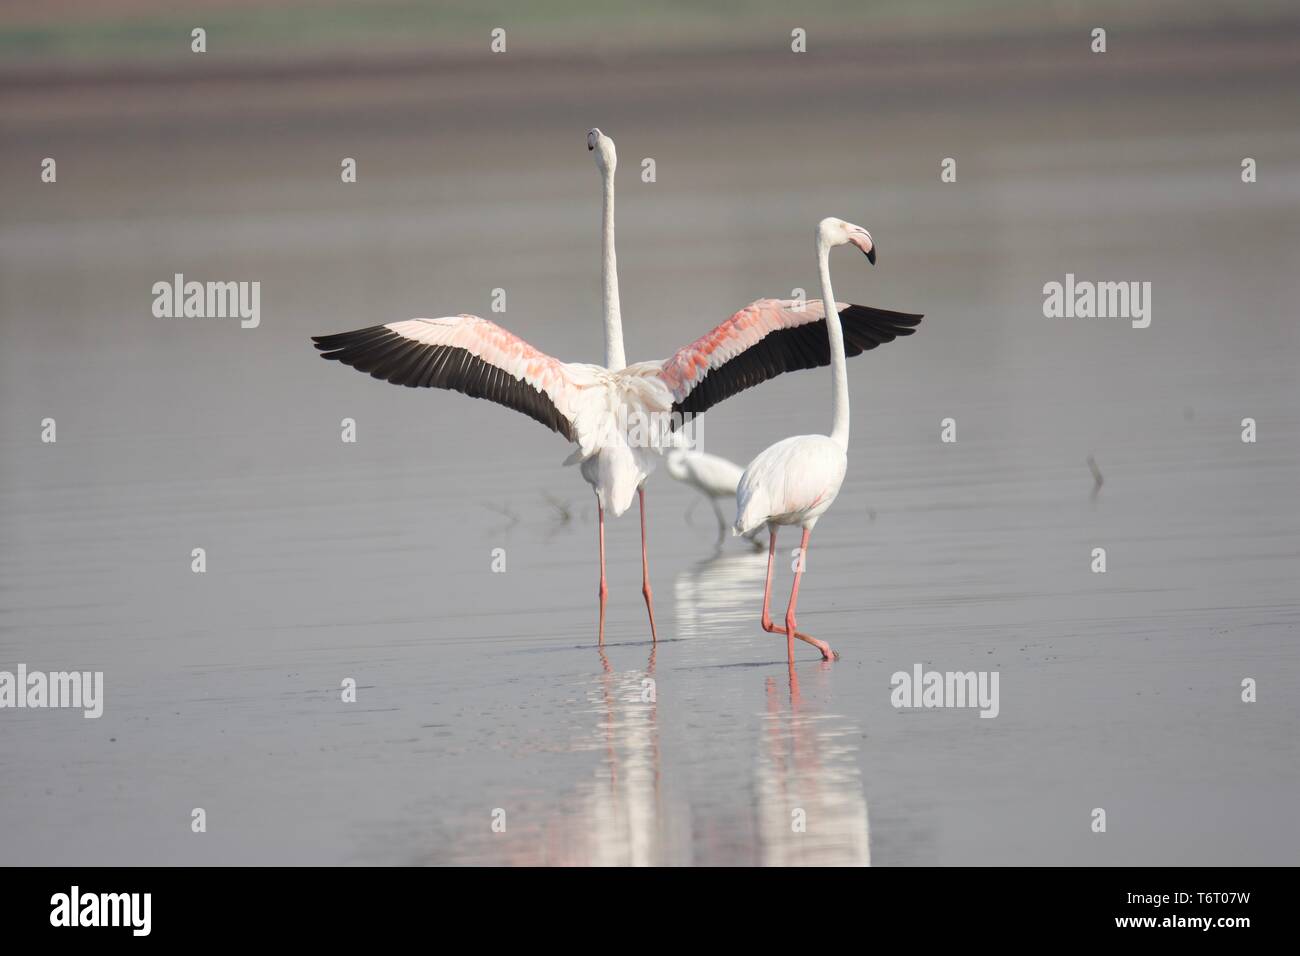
{"x": 603, "y": 147}
{"x": 833, "y": 232}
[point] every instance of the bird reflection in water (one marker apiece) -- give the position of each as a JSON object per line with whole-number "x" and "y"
{"x": 810, "y": 806}
{"x": 719, "y": 591}
{"x": 628, "y": 812}
{"x": 623, "y": 815}
{"x": 807, "y": 760}
{"x": 618, "y": 814}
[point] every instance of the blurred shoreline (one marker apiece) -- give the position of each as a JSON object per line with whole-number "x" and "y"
{"x": 130, "y": 32}
{"x": 1053, "y": 63}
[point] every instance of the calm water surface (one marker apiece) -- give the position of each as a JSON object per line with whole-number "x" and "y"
{"x": 479, "y": 691}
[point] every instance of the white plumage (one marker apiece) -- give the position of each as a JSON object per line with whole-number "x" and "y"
{"x": 792, "y": 482}
{"x": 713, "y": 476}
{"x": 620, "y": 417}
{"x": 795, "y": 481}
{"x": 626, "y": 418}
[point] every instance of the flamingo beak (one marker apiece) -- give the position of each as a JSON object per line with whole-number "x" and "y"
{"x": 868, "y": 247}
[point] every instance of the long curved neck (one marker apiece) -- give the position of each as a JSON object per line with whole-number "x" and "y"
{"x": 839, "y": 371}
{"x": 614, "y": 357}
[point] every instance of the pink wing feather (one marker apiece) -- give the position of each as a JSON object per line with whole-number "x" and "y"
{"x": 466, "y": 354}
{"x": 767, "y": 338}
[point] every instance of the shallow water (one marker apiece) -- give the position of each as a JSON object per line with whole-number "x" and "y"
{"x": 481, "y": 691}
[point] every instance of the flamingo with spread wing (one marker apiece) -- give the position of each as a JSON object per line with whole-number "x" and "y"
{"x": 602, "y": 409}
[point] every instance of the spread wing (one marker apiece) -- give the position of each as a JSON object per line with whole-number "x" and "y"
{"x": 767, "y": 338}
{"x": 466, "y": 354}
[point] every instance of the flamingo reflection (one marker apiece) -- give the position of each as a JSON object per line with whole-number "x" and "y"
{"x": 624, "y": 815}
{"x": 718, "y": 591}
{"x": 810, "y": 805}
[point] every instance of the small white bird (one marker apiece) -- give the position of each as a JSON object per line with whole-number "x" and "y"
{"x": 795, "y": 481}
{"x": 714, "y": 477}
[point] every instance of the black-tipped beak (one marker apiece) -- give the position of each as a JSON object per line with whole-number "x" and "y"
{"x": 590, "y": 147}
{"x": 871, "y": 255}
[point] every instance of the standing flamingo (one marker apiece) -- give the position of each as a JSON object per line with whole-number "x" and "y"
{"x": 604, "y": 410}
{"x": 617, "y": 466}
{"x": 796, "y": 480}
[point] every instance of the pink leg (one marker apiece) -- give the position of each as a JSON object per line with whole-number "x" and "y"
{"x": 767, "y": 588}
{"x": 790, "y": 632}
{"x": 645, "y": 567}
{"x": 604, "y": 589}
{"x": 645, "y": 571}
{"x": 767, "y": 594}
